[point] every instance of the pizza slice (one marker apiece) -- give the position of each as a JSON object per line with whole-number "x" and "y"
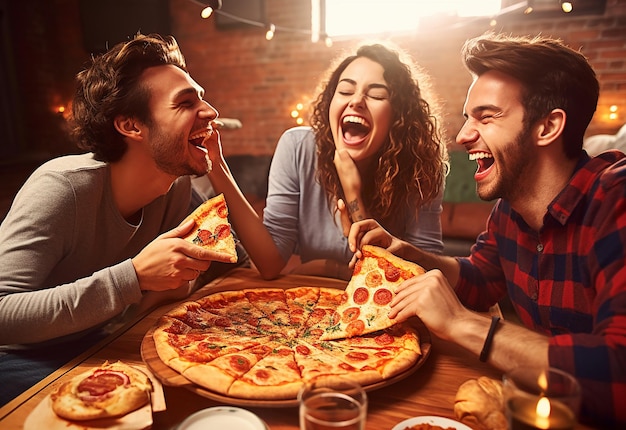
{"x": 220, "y": 373}
{"x": 110, "y": 390}
{"x": 182, "y": 350}
{"x": 315, "y": 362}
{"x": 401, "y": 335}
{"x": 324, "y": 313}
{"x": 272, "y": 302}
{"x": 301, "y": 301}
{"x": 235, "y": 306}
{"x": 365, "y": 308}
{"x": 212, "y": 229}
{"x": 275, "y": 376}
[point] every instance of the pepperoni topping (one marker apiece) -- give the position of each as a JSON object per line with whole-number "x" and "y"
{"x": 346, "y": 366}
{"x": 373, "y": 279}
{"x": 239, "y": 363}
{"x": 355, "y": 328}
{"x": 222, "y": 210}
{"x": 283, "y": 352}
{"x": 205, "y": 237}
{"x": 357, "y": 356}
{"x": 303, "y": 350}
{"x": 222, "y": 322}
{"x": 384, "y": 339}
{"x": 382, "y": 297}
{"x": 222, "y": 231}
{"x": 260, "y": 350}
{"x": 350, "y": 314}
{"x": 361, "y": 295}
{"x": 392, "y": 273}
{"x": 262, "y": 374}
{"x": 177, "y": 327}
{"x": 101, "y": 382}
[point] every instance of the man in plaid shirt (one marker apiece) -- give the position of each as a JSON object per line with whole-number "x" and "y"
{"x": 555, "y": 240}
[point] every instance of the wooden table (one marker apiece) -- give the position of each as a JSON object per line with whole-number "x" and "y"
{"x": 428, "y": 391}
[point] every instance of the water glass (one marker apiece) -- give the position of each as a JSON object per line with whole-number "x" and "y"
{"x": 331, "y": 404}
{"x": 541, "y": 399}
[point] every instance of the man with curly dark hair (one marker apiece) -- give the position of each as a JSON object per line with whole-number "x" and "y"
{"x": 91, "y": 238}
{"x": 374, "y": 148}
{"x": 555, "y": 239}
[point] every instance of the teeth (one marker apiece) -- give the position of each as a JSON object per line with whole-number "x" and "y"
{"x": 356, "y": 120}
{"x": 201, "y": 134}
{"x": 479, "y": 155}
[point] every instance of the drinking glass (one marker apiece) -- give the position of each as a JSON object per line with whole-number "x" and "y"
{"x": 540, "y": 399}
{"x": 331, "y": 404}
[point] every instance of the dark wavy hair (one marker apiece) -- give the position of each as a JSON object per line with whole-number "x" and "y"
{"x": 111, "y": 85}
{"x": 552, "y": 76}
{"x": 412, "y": 164}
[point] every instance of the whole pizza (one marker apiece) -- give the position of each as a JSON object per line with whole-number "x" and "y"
{"x": 265, "y": 343}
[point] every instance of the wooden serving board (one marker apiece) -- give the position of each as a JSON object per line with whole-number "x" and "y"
{"x": 170, "y": 377}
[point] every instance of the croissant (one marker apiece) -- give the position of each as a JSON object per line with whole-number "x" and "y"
{"x": 479, "y": 404}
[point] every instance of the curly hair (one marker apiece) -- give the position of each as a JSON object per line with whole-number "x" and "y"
{"x": 552, "y": 76}
{"x": 412, "y": 164}
{"x": 111, "y": 85}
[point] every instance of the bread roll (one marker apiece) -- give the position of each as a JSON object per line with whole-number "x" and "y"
{"x": 479, "y": 404}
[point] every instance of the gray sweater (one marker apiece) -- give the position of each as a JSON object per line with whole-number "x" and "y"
{"x": 65, "y": 250}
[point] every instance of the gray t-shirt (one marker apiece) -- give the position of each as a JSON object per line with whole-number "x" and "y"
{"x": 65, "y": 250}
{"x": 300, "y": 221}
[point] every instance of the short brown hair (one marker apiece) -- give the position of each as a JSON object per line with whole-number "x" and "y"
{"x": 111, "y": 86}
{"x": 552, "y": 76}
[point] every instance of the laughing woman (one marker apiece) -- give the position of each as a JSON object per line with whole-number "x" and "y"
{"x": 374, "y": 150}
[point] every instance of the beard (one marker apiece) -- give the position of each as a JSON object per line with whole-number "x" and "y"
{"x": 171, "y": 158}
{"x": 513, "y": 164}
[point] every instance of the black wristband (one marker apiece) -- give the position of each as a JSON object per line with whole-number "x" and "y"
{"x": 487, "y": 346}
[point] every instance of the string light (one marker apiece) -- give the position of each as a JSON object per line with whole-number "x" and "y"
{"x": 212, "y": 5}
{"x": 269, "y": 34}
{"x": 613, "y": 112}
{"x": 566, "y": 6}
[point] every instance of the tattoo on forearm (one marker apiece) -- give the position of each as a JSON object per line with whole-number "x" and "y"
{"x": 353, "y": 206}
{"x": 355, "y": 211}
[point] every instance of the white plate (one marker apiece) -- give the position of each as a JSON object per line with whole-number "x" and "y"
{"x": 223, "y": 417}
{"x": 432, "y": 420}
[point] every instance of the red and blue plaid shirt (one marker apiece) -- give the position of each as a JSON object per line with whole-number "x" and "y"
{"x": 567, "y": 281}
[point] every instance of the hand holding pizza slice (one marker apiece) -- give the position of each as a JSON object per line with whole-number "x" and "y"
{"x": 367, "y": 298}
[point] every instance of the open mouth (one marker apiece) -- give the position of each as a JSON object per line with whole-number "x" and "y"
{"x": 198, "y": 137}
{"x": 354, "y": 128}
{"x": 483, "y": 159}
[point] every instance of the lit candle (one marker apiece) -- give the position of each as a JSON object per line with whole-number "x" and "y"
{"x": 530, "y": 414}
{"x": 543, "y": 413}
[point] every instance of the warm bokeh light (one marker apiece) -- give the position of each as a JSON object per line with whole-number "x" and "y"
{"x": 206, "y": 12}
{"x": 566, "y": 6}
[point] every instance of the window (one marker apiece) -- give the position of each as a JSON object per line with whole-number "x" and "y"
{"x": 362, "y": 17}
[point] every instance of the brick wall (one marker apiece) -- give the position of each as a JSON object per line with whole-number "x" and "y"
{"x": 260, "y": 82}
